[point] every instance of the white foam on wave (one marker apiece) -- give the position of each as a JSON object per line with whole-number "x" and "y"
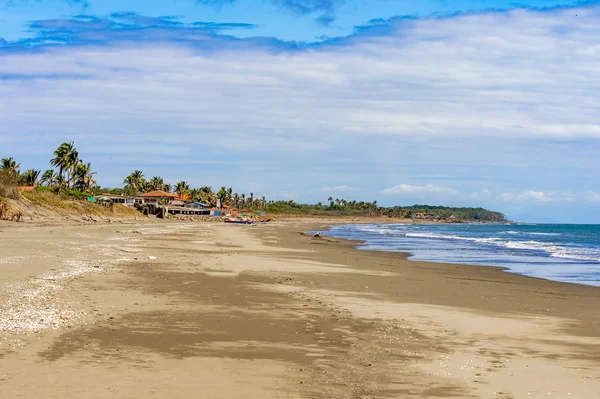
{"x": 555, "y": 251}
{"x": 506, "y": 241}
{"x": 453, "y": 237}
{"x": 396, "y": 229}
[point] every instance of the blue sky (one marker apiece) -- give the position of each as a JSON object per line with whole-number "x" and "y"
{"x": 466, "y": 103}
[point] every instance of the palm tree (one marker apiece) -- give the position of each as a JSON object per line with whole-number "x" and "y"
{"x": 207, "y": 196}
{"x": 195, "y": 194}
{"x": 145, "y": 186}
{"x": 49, "y": 178}
{"x": 10, "y": 165}
{"x": 156, "y": 183}
{"x": 251, "y": 200}
{"x": 61, "y": 183}
{"x": 66, "y": 159}
{"x": 83, "y": 177}
{"x": 181, "y": 189}
{"x": 30, "y": 177}
{"x": 229, "y": 195}
{"x": 134, "y": 180}
{"x": 167, "y": 187}
{"x": 243, "y": 200}
{"x": 222, "y": 195}
{"x": 263, "y": 203}
{"x": 236, "y": 200}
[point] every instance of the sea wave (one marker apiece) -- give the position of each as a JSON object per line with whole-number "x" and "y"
{"x": 544, "y": 234}
{"x": 553, "y": 250}
{"x": 452, "y": 237}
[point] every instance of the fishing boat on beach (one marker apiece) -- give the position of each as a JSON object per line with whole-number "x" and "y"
{"x": 246, "y": 221}
{"x": 233, "y": 221}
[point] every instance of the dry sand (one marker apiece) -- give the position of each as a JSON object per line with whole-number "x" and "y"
{"x": 168, "y": 309}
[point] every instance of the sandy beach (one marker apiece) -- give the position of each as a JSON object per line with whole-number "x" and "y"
{"x": 156, "y": 309}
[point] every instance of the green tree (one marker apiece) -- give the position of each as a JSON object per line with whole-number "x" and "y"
{"x": 83, "y": 177}
{"x": 66, "y": 159}
{"x": 229, "y": 198}
{"x": 182, "y": 188}
{"x": 222, "y": 195}
{"x": 156, "y": 183}
{"x": 135, "y": 180}
{"x": 49, "y": 178}
{"x": 9, "y": 165}
{"x": 30, "y": 178}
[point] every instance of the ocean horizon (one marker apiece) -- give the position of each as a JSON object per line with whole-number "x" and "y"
{"x": 559, "y": 252}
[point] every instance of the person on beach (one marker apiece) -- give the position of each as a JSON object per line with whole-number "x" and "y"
{"x": 318, "y": 234}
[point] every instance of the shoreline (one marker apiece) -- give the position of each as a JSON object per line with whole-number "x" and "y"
{"x": 408, "y": 254}
{"x": 177, "y": 307}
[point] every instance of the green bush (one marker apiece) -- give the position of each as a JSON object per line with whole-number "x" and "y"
{"x": 77, "y": 194}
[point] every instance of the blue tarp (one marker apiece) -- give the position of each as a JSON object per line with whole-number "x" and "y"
{"x": 196, "y": 205}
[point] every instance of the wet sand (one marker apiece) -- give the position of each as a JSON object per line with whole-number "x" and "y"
{"x": 184, "y": 310}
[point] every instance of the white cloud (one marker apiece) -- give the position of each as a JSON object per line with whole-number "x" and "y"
{"x": 491, "y": 83}
{"x": 527, "y": 195}
{"x": 338, "y": 189}
{"x": 483, "y": 194}
{"x": 407, "y": 189}
{"x": 592, "y": 196}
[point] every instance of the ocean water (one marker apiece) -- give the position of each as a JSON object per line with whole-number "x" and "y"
{"x": 560, "y": 252}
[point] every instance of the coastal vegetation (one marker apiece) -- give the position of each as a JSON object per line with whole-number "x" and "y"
{"x": 72, "y": 178}
{"x": 342, "y": 207}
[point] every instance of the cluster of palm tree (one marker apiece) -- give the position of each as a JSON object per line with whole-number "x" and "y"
{"x": 136, "y": 184}
{"x": 358, "y": 205}
{"x": 70, "y": 172}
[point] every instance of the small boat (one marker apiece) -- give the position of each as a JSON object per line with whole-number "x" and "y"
{"x": 234, "y": 221}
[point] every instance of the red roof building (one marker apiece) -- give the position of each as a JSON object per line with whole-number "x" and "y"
{"x": 158, "y": 194}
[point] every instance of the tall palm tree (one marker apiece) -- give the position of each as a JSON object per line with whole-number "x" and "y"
{"x": 229, "y": 195}
{"x": 195, "y": 194}
{"x": 263, "y": 203}
{"x": 207, "y": 195}
{"x": 251, "y": 200}
{"x": 66, "y": 159}
{"x": 167, "y": 187}
{"x": 10, "y": 165}
{"x": 30, "y": 177}
{"x": 144, "y": 186}
{"x": 243, "y": 200}
{"x": 182, "y": 188}
{"x": 222, "y": 195}
{"x": 156, "y": 183}
{"x": 134, "y": 180}
{"x": 49, "y": 178}
{"x": 83, "y": 177}
{"x": 236, "y": 200}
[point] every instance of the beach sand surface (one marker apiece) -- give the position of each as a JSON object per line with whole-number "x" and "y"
{"x": 174, "y": 309}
